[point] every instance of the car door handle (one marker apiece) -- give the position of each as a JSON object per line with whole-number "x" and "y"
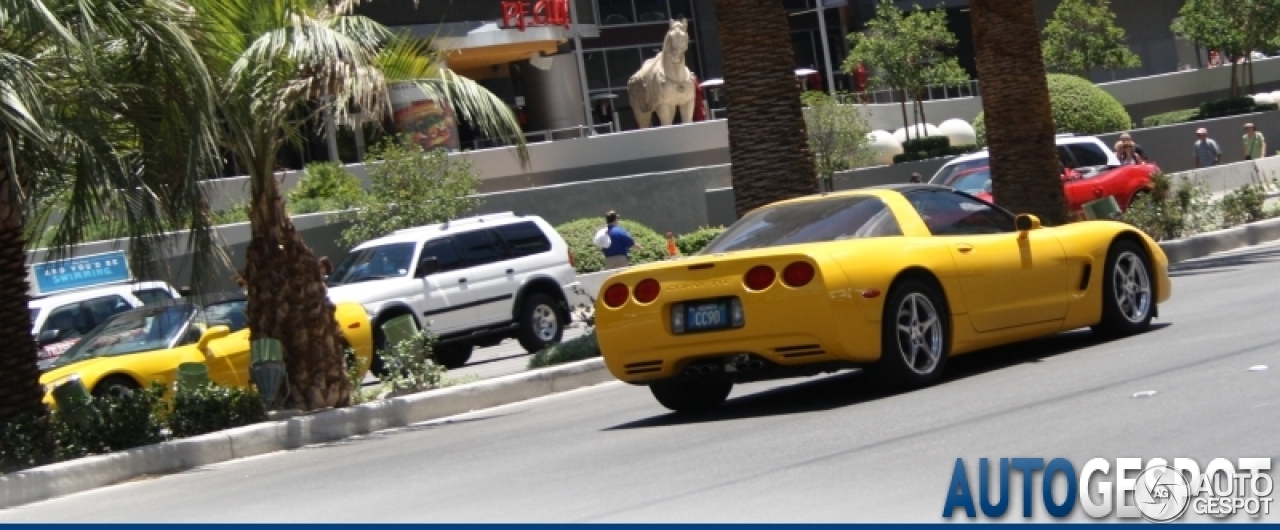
{"x": 462, "y": 280}
{"x": 511, "y": 271}
{"x": 964, "y": 248}
{"x": 1097, "y": 192}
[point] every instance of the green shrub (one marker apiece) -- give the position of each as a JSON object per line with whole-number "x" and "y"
{"x": 928, "y": 143}
{"x": 576, "y": 349}
{"x": 409, "y": 365}
{"x": 1171, "y": 212}
{"x": 210, "y": 408}
{"x": 327, "y": 186}
{"x": 589, "y": 258}
{"x": 693, "y": 242}
{"x": 1079, "y": 107}
{"x": 119, "y": 424}
{"x": 1244, "y": 205}
{"x": 1170, "y": 118}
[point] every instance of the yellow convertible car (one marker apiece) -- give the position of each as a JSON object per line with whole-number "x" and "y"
{"x": 893, "y": 280}
{"x": 132, "y": 349}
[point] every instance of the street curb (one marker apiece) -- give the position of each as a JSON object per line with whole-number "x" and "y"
{"x": 1202, "y": 245}
{"x": 74, "y": 476}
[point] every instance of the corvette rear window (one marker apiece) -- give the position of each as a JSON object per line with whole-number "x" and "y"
{"x": 815, "y": 221}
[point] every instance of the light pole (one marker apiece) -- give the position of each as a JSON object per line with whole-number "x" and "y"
{"x": 821, "y": 11}
{"x": 582, "y": 70}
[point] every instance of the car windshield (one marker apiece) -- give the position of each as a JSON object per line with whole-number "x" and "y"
{"x": 35, "y": 312}
{"x": 146, "y": 329}
{"x": 373, "y": 263}
{"x": 977, "y": 181}
{"x": 829, "y": 219}
{"x": 949, "y": 172}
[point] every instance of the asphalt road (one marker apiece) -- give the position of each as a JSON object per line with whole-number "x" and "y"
{"x": 822, "y": 449}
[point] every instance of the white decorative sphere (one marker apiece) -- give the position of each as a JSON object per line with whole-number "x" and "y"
{"x": 918, "y": 130}
{"x": 1264, "y": 98}
{"x": 1275, "y": 97}
{"x": 883, "y": 146}
{"x": 959, "y": 132}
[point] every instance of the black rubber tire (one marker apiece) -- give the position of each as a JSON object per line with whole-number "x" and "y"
{"x": 115, "y": 387}
{"x": 692, "y": 395}
{"x": 1114, "y": 323}
{"x": 451, "y": 356}
{"x": 892, "y": 371}
{"x": 376, "y": 365}
{"x": 528, "y": 335}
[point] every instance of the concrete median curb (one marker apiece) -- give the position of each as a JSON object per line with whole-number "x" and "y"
{"x": 1202, "y": 245}
{"x": 74, "y": 476}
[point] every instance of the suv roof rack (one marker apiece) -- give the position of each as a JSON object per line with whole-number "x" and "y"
{"x": 458, "y": 222}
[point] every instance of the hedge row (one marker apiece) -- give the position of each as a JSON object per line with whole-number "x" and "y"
{"x": 651, "y": 246}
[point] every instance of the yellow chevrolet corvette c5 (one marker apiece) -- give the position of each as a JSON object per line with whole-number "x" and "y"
{"x": 132, "y": 349}
{"x": 893, "y": 280}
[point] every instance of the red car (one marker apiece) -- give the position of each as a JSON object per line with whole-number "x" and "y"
{"x": 1125, "y": 183}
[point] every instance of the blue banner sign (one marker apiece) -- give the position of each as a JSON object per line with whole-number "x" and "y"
{"x": 78, "y": 273}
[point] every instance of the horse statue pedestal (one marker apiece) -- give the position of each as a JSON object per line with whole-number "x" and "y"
{"x": 664, "y": 85}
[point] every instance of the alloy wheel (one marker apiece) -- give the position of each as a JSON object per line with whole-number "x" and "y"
{"x": 1132, "y": 287}
{"x": 920, "y": 338}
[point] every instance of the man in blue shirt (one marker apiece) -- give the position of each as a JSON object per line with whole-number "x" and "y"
{"x": 616, "y": 256}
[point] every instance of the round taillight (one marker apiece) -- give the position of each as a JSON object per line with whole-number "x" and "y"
{"x": 760, "y": 277}
{"x": 798, "y": 274}
{"x": 616, "y": 295}
{"x": 647, "y": 290}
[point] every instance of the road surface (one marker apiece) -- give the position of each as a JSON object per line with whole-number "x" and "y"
{"x": 824, "y": 449}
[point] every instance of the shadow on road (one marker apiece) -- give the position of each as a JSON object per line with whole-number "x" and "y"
{"x": 852, "y": 388}
{"x": 1221, "y": 264}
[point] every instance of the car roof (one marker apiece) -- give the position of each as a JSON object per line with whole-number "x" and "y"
{"x": 870, "y": 191}
{"x": 95, "y": 291}
{"x": 453, "y": 226}
{"x": 1061, "y": 139}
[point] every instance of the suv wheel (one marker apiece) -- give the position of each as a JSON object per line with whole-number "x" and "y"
{"x": 451, "y": 356}
{"x": 540, "y": 324}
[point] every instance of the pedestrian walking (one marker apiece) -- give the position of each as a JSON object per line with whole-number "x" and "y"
{"x": 1206, "y": 150}
{"x": 916, "y": 178}
{"x": 617, "y": 253}
{"x": 326, "y": 267}
{"x": 672, "y": 249}
{"x": 1255, "y": 144}
{"x": 1129, "y": 152}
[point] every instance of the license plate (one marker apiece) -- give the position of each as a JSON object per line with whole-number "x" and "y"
{"x": 703, "y": 316}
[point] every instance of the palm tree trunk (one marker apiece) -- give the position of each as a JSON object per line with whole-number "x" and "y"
{"x": 767, "y": 146}
{"x": 1015, "y": 100}
{"x": 288, "y": 302}
{"x": 20, "y": 391}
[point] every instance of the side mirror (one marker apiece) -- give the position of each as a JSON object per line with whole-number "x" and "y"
{"x": 48, "y": 336}
{"x": 1026, "y": 222}
{"x": 427, "y": 266}
{"x": 210, "y": 335}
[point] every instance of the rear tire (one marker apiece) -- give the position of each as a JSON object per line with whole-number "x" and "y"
{"x": 1128, "y": 295}
{"x": 451, "y": 356}
{"x": 115, "y": 387}
{"x": 540, "y": 324}
{"x": 685, "y": 396}
{"x": 915, "y": 337}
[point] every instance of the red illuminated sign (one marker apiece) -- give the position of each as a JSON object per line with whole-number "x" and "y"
{"x": 542, "y": 12}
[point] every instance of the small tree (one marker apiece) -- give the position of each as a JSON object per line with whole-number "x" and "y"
{"x": 1234, "y": 27}
{"x": 411, "y": 187}
{"x": 907, "y": 53}
{"x": 1083, "y": 35}
{"x": 837, "y": 136}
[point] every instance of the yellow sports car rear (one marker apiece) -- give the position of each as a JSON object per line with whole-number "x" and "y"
{"x": 893, "y": 280}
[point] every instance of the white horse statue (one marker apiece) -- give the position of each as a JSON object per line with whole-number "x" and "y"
{"x": 664, "y": 84}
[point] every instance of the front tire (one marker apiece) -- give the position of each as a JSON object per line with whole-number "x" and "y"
{"x": 915, "y": 337}
{"x": 686, "y": 396}
{"x": 540, "y": 324}
{"x": 115, "y": 387}
{"x": 451, "y": 356}
{"x": 1128, "y": 298}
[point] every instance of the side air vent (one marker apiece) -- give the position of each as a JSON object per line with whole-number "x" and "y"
{"x": 803, "y": 350}
{"x": 645, "y": 367}
{"x": 1084, "y": 278}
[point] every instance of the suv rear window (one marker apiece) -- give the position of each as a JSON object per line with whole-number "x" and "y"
{"x": 948, "y": 172}
{"x": 808, "y": 222}
{"x": 1088, "y": 155}
{"x": 524, "y": 239}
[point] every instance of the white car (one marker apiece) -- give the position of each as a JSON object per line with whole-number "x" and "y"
{"x": 472, "y": 282}
{"x": 1083, "y": 153}
{"x": 59, "y": 320}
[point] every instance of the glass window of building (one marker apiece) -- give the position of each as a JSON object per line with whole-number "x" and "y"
{"x": 680, "y": 9}
{"x": 616, "y": 12}
{"x": 623, "y": 63}
{"x": 652, "y": 11}
{"x": 597, "y": 72}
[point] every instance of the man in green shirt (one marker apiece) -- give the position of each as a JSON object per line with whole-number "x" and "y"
{"x": 1255, "y": 145}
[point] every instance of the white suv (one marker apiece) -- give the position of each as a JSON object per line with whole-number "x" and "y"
{"x": 1086, "y": 154}
{"x": 473, "y": 281}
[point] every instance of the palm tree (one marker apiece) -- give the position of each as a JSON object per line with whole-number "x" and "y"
{"x": 273, "y": 62}
{"x": 109, "y": 99}
{"x": 1015, "y": 101}
{"x": 767, "y": 142}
